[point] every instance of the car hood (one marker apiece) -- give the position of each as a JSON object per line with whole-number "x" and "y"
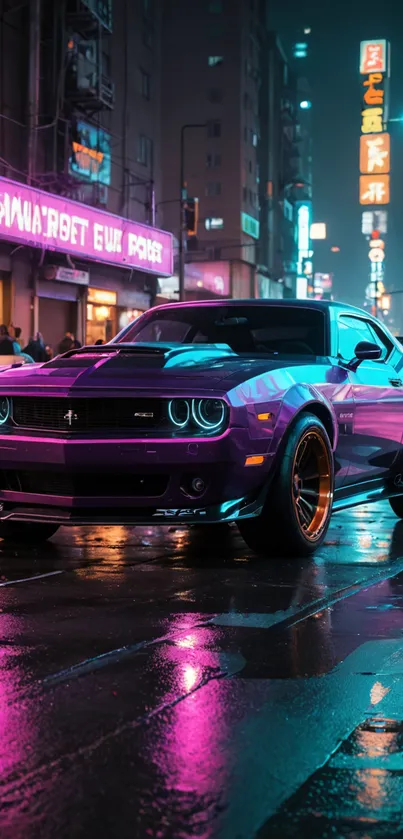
{"x": 144, "y": 366}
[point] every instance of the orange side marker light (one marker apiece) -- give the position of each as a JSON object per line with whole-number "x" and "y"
{"x": 254, "y": 460}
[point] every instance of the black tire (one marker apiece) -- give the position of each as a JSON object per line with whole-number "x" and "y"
{"x": 26, "y": 533}
{"x": 285, "y": 527}
{"x": 396, "y": 502}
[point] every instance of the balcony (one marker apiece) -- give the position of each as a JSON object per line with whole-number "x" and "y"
{"x": 87, "y": 86}
{"x": 86, "y": 17}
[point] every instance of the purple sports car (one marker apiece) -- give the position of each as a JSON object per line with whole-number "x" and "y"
{"x": 268, "y": 413}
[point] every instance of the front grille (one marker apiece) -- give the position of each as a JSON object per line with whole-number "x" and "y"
{"x": 84, "y": 485}
{"x": 80, "y": 415}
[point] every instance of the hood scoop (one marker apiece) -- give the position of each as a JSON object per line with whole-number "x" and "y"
{"x": 141, "y": 355}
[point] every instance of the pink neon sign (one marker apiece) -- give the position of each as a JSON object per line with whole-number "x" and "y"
{"x": 44, "y": 220}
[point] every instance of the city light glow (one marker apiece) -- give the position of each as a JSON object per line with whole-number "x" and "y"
{"x": 318, "y": 230}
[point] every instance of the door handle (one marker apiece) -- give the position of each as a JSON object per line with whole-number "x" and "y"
{"x": 396, "y": 382}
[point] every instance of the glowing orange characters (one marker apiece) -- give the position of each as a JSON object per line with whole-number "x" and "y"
{"x": 374, "y": 189}
{"x": 375, "y": 154}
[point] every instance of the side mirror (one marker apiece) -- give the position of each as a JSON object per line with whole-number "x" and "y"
{"x": 365, "y": 351}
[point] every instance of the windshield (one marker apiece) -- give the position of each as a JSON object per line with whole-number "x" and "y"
{"x": 246, "y": 329}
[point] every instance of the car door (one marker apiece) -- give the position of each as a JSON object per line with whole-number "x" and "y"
{"x": 378, "y": 401}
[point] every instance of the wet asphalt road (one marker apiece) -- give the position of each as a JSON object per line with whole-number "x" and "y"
{"x": 158, "y": 683}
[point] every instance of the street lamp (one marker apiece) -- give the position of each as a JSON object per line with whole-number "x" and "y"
{"x": 183, "y": 196}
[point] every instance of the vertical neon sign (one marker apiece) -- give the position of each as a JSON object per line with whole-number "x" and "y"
{"x": 375, "y": 157}
{"x": 304, "y": 224}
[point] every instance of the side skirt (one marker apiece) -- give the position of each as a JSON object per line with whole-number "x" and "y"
{"x": 364, "y": 493}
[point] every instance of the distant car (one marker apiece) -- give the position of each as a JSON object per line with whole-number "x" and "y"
{"x": 267, "y": 413}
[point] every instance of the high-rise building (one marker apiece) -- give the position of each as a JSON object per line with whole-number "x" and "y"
{"x": 282, "y": 186}
{"x": 80, "y": 119}
{"x": 227, "y": 90}
{"x": 210, "y": 84}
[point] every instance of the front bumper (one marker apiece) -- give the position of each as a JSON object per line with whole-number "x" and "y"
{"x": 231, "y": 489}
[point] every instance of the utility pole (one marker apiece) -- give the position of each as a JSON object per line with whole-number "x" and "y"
{"x": 183, "y": 196}
{"x": 33, "y": 83}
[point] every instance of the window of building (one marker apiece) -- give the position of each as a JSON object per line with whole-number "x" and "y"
{"x": 250, "y": 166}
{"x": 145, "y": 83}
{"x": 213, "y": 160}
{"x": 215, "y": 95}
{"x": 254, "y": 139}
{"x": 245, "y": 134}
{"x": 215, "y": 60}
{"x": 144, "y": 150}
{"x": 213, "y": 188}
{"x": 244, "y": 194}
{"x": 214, "y": 223}
{"x": 214, "y": 128}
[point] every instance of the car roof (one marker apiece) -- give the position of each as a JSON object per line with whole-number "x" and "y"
{"x": 321, "y": 305}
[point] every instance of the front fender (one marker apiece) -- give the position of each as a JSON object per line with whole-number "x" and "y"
{"x": 303, "y": 397}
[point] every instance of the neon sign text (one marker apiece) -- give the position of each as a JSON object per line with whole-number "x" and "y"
{"x": 41, "y": 219}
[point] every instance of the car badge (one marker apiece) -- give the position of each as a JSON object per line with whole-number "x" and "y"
{"x": 70, "y": 417}
{"x": 144, "y": 415}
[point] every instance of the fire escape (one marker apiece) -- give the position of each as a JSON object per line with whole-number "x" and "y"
{"x": 89, "y": 88}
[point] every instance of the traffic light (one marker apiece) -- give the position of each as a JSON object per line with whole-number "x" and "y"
{"x": 191, "y": 216}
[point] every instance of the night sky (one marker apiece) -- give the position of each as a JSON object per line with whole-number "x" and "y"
{"x": 333, "y": 72}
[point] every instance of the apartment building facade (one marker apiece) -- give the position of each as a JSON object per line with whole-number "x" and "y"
{"x": 80, "y": 120}
{"x": 226, "y": 89}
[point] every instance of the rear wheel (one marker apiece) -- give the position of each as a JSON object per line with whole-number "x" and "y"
{"x": 297, "y": 511}
{"x": 26, "y": 533}
{"x": 397, "y": 505}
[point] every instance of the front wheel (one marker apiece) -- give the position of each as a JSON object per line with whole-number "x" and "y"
{"x": 396, "y": 502}
{"x": 26, "y": 533}
{"x": 297, "y": 511}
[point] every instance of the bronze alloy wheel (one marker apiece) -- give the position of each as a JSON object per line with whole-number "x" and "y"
{"x": 311, "y": 484}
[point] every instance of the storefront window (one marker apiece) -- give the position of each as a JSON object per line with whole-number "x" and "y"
{"x": 101, "y": 315}
{"x": 128, "y": 316}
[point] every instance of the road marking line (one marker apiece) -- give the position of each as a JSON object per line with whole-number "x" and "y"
{"x": 113, "y": 656}
{"x": 294, "y": 615}
{"x": 29, "y": 579}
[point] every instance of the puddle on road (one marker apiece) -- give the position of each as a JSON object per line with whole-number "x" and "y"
{"x": 358, "y": 794}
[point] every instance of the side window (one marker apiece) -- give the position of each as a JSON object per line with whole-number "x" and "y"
{"x": 352, "y": 330}
{"x": 383, "y": 341}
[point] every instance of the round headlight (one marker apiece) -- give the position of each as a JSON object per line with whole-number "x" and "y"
{"x": 5, "y": 408}
{"x": 179, "y": 412}
{"x": 208, "y": 414}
